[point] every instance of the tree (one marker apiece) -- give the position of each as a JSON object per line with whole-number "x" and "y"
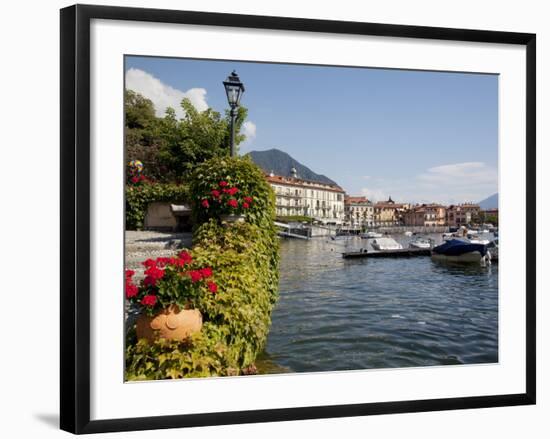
{"x": 170, "y": 147}
{"x": 197, "y": 137}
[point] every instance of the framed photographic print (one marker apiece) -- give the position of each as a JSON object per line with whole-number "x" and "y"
{"x": 304, "y": 218}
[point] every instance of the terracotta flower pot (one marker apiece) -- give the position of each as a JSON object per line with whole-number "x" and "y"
{"x": 170, "y": 323}
{"x": 232, "y": 218}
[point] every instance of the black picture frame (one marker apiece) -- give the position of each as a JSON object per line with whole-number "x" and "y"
{"x": 75, "y": 217}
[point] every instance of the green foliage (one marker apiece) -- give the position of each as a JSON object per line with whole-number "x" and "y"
{"x": 238, "y": 172}
{"x": 138, "y": 198}
{"x": 245, "y": 259}
{"x": 170, "y": 147}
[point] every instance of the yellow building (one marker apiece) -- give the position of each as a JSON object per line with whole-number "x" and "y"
{"x": 296, "y": 196}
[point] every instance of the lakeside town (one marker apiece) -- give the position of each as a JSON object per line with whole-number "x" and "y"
{"x": 300, "y": 200}
{"x": 330, "y": 205}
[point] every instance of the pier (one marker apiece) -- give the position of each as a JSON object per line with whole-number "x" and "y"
{"x": 401, "y": 253}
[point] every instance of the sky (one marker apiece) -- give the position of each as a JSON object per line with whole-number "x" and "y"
{"x": 417, "y": 136}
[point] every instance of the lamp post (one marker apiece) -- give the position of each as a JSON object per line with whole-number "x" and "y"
{"x": 234, "y": 89}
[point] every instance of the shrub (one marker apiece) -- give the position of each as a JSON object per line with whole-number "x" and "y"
{"x": 233, "y": 172}
{"x": 139, "y": 196}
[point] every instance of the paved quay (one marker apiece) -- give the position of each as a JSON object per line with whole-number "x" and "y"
{"x": 141, "y": 245}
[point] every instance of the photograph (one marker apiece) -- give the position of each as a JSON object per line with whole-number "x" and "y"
{"x": 293, "y": 218}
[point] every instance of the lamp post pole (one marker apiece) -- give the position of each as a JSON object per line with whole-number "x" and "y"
{"x": 234, "y": 89}
{"x": 233, "y": 114}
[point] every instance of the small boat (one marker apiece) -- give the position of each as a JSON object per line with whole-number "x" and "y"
{"x": 408, "y": 233}
{"x": 370, "y": 235}
{"x": 458, "y": 250}
{"x": 421, "y": 243}
{"x": 386, "y": 244}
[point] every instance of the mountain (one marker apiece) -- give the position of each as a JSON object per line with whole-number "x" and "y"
{"x": 489, "y": 202}
{"x": 280, "y": 163}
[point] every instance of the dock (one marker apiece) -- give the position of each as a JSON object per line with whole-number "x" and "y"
{"x": 401, "y": 253}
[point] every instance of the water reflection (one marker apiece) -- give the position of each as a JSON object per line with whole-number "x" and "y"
{"x": 336, "y": 314}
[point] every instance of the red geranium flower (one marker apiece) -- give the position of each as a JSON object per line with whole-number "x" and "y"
{"x": 149, "y": 300}
{"x": 135, "y": 179}
{"x": 185, "y": 257}
{"x": 129, "y": 274}
{"x": 215, "y": 193}
{"x": 206, "y": 272}
{"x": 153, "y": 274}
{"x": 213, "y": 287}
{"x": 246, "y": 205}
{"x": 149, "y": 263}
{"x": 248, "y": 199}
{"x": 195, "y": 275}
{"x": 223, "y": 183}
{"x": 131, "y": 290}
{"x": 233, "y": 203}
{"x": 232, "y": 191}
{"x": 205, "y": 204}
{"x": 162, "y": 261}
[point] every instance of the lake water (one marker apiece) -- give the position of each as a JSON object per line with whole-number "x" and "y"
{"x": 343, "y": 314}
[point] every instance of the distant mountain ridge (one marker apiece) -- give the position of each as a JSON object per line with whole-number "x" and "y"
{"x": 489, "y": 202}
{"x": 280, "y": 163}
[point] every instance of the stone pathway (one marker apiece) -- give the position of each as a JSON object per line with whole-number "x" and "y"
{"x": 141, "y": 245}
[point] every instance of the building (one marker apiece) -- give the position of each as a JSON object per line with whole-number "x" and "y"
{"x": 462, "y": 214}
{"x": 489, "y": 216}
{"x": 389, "y": 213}
{"x": 426, "y": 215}
{"x": 359, "y": 211}
{"x": 295, "y": 196}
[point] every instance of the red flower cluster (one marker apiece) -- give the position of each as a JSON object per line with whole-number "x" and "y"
{"x": 130, "y": 289}
{"x": 139, "y": 179}
{"x": 226, "y": 195}
{"x": 213, "y": 287}
{"x": 198, "y": 275}
{"x": 152, "y": 275}
{"x": 152, "y": 294}
{"x": 149, "y": 300}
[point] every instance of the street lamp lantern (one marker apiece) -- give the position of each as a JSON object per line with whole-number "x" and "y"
{"x": 234, "y": 89}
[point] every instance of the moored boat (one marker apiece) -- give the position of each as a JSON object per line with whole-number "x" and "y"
{"x": 421, "y": 243}
{"x": 457, "y": 250}
{"x": 386, "y": 244}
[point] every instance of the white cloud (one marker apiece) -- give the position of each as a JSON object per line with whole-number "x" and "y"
{"x": 449, "y": 184}
{"x": 472, "y": 173}
{"x": 163, "y": 95}
{"x": 249, "y": 130}
{"x": 374, "y": 194}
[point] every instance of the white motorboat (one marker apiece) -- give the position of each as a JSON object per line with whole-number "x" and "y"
{"x": 386, "y": 244}
{"x": 421, "y": 243}
{"x": 370, "y": 235}
{"x": 408, "y": 233}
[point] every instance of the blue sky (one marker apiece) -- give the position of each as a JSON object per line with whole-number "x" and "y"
{"x": 417, "y": 136}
